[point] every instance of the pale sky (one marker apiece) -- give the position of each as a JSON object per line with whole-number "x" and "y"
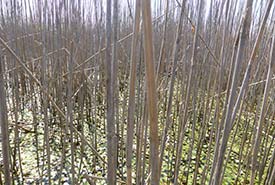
{"x": 88, "y": 5}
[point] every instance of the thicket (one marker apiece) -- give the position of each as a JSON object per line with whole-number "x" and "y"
{"x": 137, "y": 92}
